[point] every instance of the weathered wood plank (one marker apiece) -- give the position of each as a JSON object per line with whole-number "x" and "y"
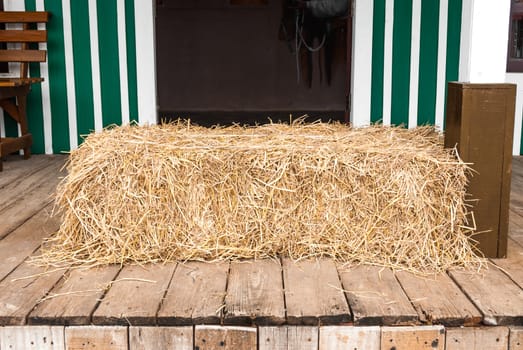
{"x": 418, "y": 338}
{"x": 255, "y": 293}
{"x": 288, "y": 338}
{"x": 24, "y": 240}
{"x": 196, "y": 294}
{"x": 31, "y": 202}
{"x": 96, "y": 337}
{"x": 313, "y": 293}
{"x": 498, "y": 298}
{"x": 25, "y": 184}
{"x": 153, "y": 338}
{"x": 349, "y": 337}
{"x": 135, "y": 296}
{"x": 376, "y": 297}
{"x": 17, "y": 169}
{"x": 222, "y": 338}
{"x": 73, "y": 299}
{"x": 512, "y": 265}
{"x": 22, "y": 290}
{"x": 474, "y": 338}
{"x": 439, "y": 300}
{"x": 34, "y": 337}
{"x": 516, "y": 338}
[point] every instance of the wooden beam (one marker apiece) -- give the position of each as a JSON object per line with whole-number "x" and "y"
{"x": 135, "y": 296}
{"x": 477, "y": 338}
{"x": 376, "y": 297}
{"x": 348, "y": 337}
{"x": 22, "y": 55}
{"x": 20, "y": 36}
{"x": 24, "y": 16}
{"x": 313, "y": 293}
{"x": 33, "y": 337}
{"x": 143, "y": 338}
{"x": 96, "y": 337}
{"x": 225, "y": 338}
{"x": 196, "y": 294}
{"x": 255, "y": 293}
{"x": 288, "y": 338}
{"x": 419, "y": 338}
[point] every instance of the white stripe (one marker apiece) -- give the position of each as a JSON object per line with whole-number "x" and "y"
{"x": 361, "y": 62}
{"x": 145, "y": 61}
{"x": 517, "y": 78}
{"x": 69, "y": 74}
{"x": 464, "y": 46}
{"x": 2, "y": 123}
{"x": 442, "y": 63}
{"x": 122, "y": 54}
{"x": 95, "y": 66}
{"x": 387, "y": 61}
{"x": 46, "y": 101}
{"x": 414, "y": 64}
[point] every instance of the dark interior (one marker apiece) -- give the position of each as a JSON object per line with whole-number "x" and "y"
{"x": 223, "y": 61}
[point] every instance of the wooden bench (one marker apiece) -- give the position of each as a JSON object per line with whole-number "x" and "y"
{"x": 14, "y": 90}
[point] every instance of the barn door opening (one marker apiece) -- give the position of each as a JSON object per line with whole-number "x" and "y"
{"x": 224, "y": 61}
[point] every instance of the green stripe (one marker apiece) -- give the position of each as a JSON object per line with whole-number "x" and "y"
{"x": 453, "y": 45}
{"x": 11, "y": 127}
{"x": 378, "y": 43}
{"x": 131, "y": 59}
{"x": 401, "y": 61}
{"x": 82, "y": 68}
{"x": 109, "y": 63}
{"x": 35, "y": 113}
{"x": 428, "y": 61}
{"x": 57, "y": 77}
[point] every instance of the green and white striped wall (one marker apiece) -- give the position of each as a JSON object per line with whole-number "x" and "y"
{"x": 99, "y": 71}
{"x": 404, "y": 57}
{"x": 101, "y": 65}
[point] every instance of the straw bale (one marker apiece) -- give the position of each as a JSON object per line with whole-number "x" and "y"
{"x": 379, "y": 195}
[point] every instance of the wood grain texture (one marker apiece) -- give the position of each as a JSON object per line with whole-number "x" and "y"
{"x": 22, "y": 290}
{"x": 32, "y": 337}
{"x": 437, "y": 299}
{"x": 512, "y": 265}
{"x": 474, "y": 338}
{"x": 415, "y": 338}
{"x": 516, "y": 338}
{"x": 288, "y": 338}
{"x": 25, "y": 239}
{"x": 153, "y": 338}
{"x": 255, "y": 293}
{"x": 313, "y": 293}
{"x": 35, "y": 178}
{"x": 135, "y": 295}
{"x": 498, "y": 298}
{"x": 349, "y": 337}
{"x": 376, "y": 297}
{"x": 24, "y": 16}
{"x": 73, "y": 300}
{"x": 196, "y": 294}
{"x": 22, "y": 55}
{"x": 224, "y": 338}
{"x": 37, "y": 195}
{"x": 96, "y": 337}
{"x": 20, "y": 36}
{"x": 17, "y": 169}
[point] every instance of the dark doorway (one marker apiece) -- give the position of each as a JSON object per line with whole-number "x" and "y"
{"x": 223, "y": 61}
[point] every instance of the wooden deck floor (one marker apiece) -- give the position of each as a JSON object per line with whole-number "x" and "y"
{"x": 270, "y": 296}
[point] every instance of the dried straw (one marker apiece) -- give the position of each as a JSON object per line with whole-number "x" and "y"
{"x": 379, "y": 195}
